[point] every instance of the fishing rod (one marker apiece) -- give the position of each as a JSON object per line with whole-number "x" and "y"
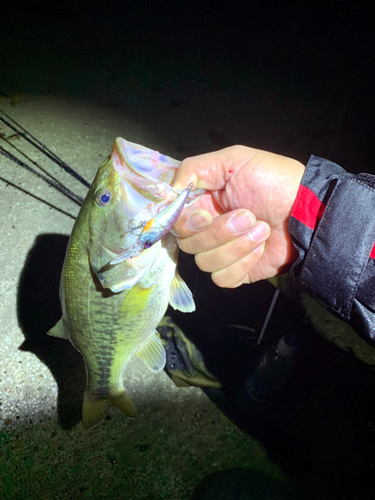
{"x": 8, "y": 141}
{"x": 268, "y": 316}
{"x": 57, "y": 185}
{"x": 22, "y": 132}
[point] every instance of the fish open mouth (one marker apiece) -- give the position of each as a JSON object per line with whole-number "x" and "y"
{"x": 113, "y": 253}
{"x": 120, "y": 255}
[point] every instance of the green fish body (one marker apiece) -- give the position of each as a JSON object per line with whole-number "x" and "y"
{"x": 110, "y": 312}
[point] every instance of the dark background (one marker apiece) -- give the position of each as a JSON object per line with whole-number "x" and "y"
{"x": 297, "y": 75}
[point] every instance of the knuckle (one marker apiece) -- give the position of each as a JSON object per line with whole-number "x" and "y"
{"x": 203, "y": 262}
{"x": 216, "y": 235}
{"x": 242, "y": 245}
{"x": 224, "y": 278}
{"x": 219, "y": 281}
{"x": 185, "y": 245}
{"x": 234, "y": 275}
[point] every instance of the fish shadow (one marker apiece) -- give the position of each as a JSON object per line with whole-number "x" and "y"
{"x": 38, "y": 310}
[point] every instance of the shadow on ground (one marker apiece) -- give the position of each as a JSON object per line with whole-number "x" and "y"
{"x": 39, "y": 309}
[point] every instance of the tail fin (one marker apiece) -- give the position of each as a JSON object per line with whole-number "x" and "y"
{"x": 123, "y": 402}
{"x": 94, "y": 408}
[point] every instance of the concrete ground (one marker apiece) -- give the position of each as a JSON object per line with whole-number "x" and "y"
{"x": 77, "y": 77}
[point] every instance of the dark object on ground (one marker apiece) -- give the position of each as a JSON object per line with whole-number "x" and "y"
{"x": 243, "y": 484}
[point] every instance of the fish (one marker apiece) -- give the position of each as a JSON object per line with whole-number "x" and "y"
{"x": 110, "y": 309}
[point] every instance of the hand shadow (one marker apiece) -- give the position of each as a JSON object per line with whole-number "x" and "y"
{"x": 38, "y": 309}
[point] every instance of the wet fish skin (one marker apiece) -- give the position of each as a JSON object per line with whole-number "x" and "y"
{"x": 110, "y": 312}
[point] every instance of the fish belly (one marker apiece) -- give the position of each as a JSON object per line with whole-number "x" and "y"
{"x": 115, "y": 330}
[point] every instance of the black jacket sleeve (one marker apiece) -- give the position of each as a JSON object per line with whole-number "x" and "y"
{"x": 333, "y": 229}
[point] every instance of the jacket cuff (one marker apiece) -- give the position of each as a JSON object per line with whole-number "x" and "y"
{"x": 332, "y": 226}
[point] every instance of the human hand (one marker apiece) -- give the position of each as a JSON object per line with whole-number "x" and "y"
{"x": 238, "y": 230}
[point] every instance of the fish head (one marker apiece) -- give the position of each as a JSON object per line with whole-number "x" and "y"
{"x": 131, "y": 187}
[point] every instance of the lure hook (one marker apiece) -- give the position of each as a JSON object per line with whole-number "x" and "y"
{"x": 157, "y": 227}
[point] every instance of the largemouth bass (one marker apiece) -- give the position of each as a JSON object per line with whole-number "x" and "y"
{"x": 114, "y": 290}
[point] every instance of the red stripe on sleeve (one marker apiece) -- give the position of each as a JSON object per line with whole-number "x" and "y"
{"x": 307, "y": 208}
{"x": 372, "y": 254}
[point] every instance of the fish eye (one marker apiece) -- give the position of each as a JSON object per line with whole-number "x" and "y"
{"x": 103, "y": 198}
{"x": 148, "y": 244}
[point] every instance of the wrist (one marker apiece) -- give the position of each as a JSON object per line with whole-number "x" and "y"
{"x": 297, "y": 171}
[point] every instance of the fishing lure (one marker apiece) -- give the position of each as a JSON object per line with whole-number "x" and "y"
{"x": 157, "y": 227}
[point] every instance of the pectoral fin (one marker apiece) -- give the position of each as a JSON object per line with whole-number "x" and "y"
{"x": 58, "y": 330}
{"x": 152, "y": 353}
{"x": 181, "y": 297}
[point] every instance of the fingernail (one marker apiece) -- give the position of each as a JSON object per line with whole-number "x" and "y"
{"x": 199, "y": 221}
{"x": 259, "y": 231}
{"x": 241, "y": 222}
